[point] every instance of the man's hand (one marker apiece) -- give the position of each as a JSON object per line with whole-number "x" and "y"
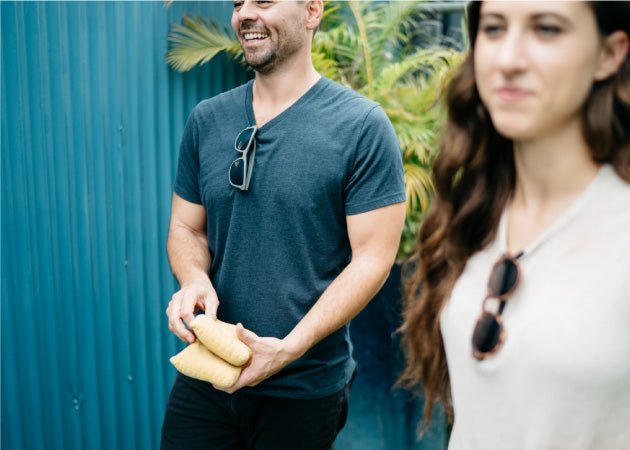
{"x": 198, "y": 295}
{"x": 189, "y": 255}
{"x": 269, "y": 356}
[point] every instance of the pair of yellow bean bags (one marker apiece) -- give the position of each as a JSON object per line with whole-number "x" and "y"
{"x": 217, "y": 356}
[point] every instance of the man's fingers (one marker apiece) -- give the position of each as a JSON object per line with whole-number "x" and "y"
{"x": 176, "y": 319}
{"x": 245, "y": 335}
{"x": 211, "y": 304}
{"x": 176, "y": 325}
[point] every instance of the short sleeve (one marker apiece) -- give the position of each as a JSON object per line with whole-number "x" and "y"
{"x": 187, "y": 176}
{"x": 377, "y": 176}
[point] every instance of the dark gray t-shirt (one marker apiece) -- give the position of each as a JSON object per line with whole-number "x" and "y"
{"x": 276, "y": 247}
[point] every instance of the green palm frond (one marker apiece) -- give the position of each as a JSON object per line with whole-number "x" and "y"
{"x": 397, "y": 20}
{"x": 418, "y": 144}
{"x": 428, "y": 61}
{"x": 392, "y": 26}
{"x": 330, "y": 14}
{"x": 326, "y": 66}
{"x": 359, "y": 14}
{"x": 418, "y": 186}
{"x": 338, "y": 43}
{"x": 197, "y": 41}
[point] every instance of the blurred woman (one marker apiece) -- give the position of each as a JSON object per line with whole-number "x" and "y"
{"x": 519, "y": 313}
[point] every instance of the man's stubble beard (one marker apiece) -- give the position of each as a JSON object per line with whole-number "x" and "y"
{"x": 263, "y": 64}
{"x": 266, "y": 60}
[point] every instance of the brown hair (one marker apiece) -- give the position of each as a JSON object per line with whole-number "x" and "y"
{"x": 474, "y": 176}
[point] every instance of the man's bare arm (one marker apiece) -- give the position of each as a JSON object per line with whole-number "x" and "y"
{"x": 190, "y": 259}
{"x": 374, "y": 237}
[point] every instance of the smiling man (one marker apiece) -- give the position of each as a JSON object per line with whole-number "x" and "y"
{"x": 287, "y": 211}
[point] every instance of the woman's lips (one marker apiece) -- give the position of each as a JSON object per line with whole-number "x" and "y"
{"x": 512, "y": 94}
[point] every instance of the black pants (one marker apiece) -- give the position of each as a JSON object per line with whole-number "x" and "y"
{"x": 201, "y": 417}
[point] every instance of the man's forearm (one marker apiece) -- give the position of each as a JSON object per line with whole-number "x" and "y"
{"x": 346, "y": 296}
{"x": 188, "y": 254}
{"x": 374, "y": 237}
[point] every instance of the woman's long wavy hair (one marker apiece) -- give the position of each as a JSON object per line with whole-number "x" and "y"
{"x": 474, "y": 176}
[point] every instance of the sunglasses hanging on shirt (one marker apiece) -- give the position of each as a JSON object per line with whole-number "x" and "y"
{"x": 488, "y": 335}
{"x": 240, "y": 173}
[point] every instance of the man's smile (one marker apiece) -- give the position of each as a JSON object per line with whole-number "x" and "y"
{"x": 255, "y": 36}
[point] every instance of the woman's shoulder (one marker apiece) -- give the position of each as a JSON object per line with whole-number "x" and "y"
{"x": 613, "y": 187}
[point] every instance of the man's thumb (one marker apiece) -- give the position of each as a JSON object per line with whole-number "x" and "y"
{"x": 248, "y": 337}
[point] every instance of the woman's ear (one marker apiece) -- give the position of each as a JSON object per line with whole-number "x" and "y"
{"x": 614, "y": 53}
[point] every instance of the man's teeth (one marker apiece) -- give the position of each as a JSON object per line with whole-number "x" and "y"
{"x": 253, "y": 36}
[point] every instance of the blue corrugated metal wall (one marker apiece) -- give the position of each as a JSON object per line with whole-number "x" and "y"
{"x": 91, "y": 121}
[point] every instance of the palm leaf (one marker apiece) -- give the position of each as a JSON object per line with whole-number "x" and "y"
{"x": 393, "y": 26}
{"x": 357, "y": 11}
{"x": 197, "y": 41}
{"x": 338, "y": 43}
{"x": 326, "y": 66}
{"x": 429, "y": 61}
{"x": 418, "y": 186}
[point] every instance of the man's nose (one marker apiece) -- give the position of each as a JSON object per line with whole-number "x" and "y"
{"x": 247, "y": 11}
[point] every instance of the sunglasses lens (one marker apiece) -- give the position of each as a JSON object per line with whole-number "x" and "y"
{"x": 243, "y": 139}
{"x": 237, "y": 172}
{"x": 487, "y": 333}
{"x": 241, "y": 169}
{"x": 503, "y": 278}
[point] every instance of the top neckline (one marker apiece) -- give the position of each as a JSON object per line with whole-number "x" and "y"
{"x": 560, "y": 222}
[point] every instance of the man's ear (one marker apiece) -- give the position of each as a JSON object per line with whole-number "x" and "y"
{"x": 613, "y": 54}
{"x": 314, "y": 11}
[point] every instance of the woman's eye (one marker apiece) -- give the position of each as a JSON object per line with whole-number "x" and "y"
{"x": 491, "y": 29}
{"x": 547, "y": 30}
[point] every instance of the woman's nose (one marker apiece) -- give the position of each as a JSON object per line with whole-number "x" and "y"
{"x": 511, "y": 55}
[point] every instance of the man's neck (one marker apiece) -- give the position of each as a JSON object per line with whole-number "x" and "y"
{"x": 275, "y": 92}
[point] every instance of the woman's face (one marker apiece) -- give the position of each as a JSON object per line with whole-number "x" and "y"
{"x": 535, "y": 64}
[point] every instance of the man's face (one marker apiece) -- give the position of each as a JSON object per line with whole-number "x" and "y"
{"x": 270, "y": 32}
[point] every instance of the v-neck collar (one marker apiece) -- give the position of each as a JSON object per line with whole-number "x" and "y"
{"x": 295, "y": 106}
